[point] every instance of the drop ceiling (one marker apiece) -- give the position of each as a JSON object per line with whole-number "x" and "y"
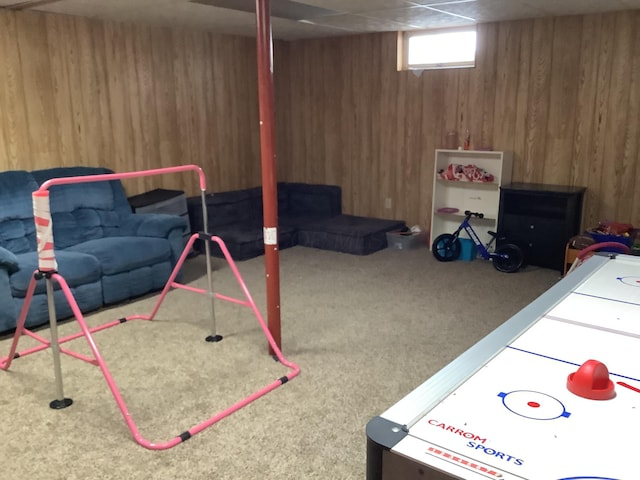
{"x": 294, "y": 20}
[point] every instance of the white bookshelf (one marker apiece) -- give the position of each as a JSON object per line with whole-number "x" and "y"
{"x": 483, "y": 197}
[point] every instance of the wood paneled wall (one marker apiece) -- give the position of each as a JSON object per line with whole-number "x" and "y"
{"x": 563, "y": 94}
{"x": 75, "y": 91}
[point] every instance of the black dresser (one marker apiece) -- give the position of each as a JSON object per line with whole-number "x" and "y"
{"x": 540, "y": 219}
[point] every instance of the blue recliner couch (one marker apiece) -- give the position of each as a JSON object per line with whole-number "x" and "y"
{"x": 105, "y": 252}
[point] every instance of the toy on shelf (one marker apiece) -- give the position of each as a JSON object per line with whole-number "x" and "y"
{"x": 465, "y": 173}
{"x": 614, "y": 232}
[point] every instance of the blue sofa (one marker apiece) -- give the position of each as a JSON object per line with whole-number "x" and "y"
{"x": 105, "y": 252}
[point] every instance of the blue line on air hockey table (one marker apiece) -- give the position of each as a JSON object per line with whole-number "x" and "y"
{"x": 567, "y": 362}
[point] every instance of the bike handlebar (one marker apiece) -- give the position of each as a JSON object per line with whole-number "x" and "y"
{"x": 470, "y": 214}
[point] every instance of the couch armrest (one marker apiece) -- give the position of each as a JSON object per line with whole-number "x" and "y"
{"x": 8, "y": 306}
{"x": 8, "y": 261}
{"x": 152, "y": 225}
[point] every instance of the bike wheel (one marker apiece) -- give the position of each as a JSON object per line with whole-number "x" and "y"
{"x": 508, "y": 258}
{"x": 446, "y": 247}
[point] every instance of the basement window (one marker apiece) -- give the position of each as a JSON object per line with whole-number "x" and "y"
{"x": 437, "y": 49}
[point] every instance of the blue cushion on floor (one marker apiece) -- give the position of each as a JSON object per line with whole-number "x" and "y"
{"x": 121, "y": 254}
{"x": 76, "y": 268}
{"x": 348, "y": 234}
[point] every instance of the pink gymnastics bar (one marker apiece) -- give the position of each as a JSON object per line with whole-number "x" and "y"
{"x": 121, "y": 176}
{"x": 87, "y": 332}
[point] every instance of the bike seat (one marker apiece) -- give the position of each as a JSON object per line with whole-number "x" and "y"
{"x": 496, "y": 236}
{"x": 474, "y": 214}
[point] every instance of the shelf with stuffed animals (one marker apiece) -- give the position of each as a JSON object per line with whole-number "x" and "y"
{"x": 468, "y": 180}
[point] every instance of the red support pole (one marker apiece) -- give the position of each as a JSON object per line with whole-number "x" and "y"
{"x": 268, "y": 158}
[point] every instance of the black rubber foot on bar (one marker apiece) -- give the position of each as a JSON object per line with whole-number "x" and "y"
{"x": 60, "y": 404}
{"x": 214, "y": 338}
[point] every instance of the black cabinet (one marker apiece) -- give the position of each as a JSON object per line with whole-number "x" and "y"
{"x": 540, "y": 219}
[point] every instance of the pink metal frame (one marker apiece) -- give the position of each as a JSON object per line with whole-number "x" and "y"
{"x": 87, "y": 332}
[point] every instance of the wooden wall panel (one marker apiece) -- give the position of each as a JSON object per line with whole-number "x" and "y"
{"x": 521, "y": 170}
{"x": 582, "y": 158}
{"x": 631, "y": 207}
{"x": 75, "y": 91}
{"x": 563, "y": 88}
{"x": 505, "y": 107}
{"x": 116, "y": 83}
{"x": 37, "y": 85}
{"x": 603, "y": 53}
{"x": 538, "y": 101}
{"x": 561, "y": 93}
{"x": 617, "y": 164}
{"x": 13, "y": 112}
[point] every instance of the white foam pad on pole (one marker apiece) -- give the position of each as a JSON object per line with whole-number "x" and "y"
{"x": 44, "y": 231}
{"x": 270, "y": 235}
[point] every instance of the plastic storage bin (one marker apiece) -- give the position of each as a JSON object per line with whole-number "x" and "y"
{"x": 469, "y": 251}
{"x": 601, "y": 237}
{"x": 405, "y": 240}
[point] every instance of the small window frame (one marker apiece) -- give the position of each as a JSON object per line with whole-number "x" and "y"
{"x": 403, "y": 49}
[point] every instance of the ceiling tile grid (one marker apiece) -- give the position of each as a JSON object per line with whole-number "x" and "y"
{"x": 318, "y": 18}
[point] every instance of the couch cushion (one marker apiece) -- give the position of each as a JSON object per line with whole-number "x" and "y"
{"x": 105, "y": 194}
{"x": 134, "y": 283}
{"x": 348, "y": 234}
{"x": 121, "y": 254}
{"x": 67, "y": 198}
{"x": 246, "y": 241}
{"x": 88, "y": 297}
{"x": 228, "y": 208}
{"x": 83, "y": 211}
{"x": 313, "y": 199}
{"x": 300, "y": 220}
{"x": 18, "y": 235}
{"x": 240, "y": 232}
{"x": 17, "y": 230}
{"x": 16, "y": 187}
{"x": 76, "y": 268}
{"x": 83, "y": 224}
{"x": 283, "y": 198}
{"x": 355, "y": 226}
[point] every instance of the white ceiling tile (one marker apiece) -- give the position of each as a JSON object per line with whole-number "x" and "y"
{"x": 491, "y": 10}
{"x": 357, "y": 6}
{"x": 360, "y": 15}
{"x": 194, "y": 15}
{"x": 359, "y": 23}
{"x": 7, "y": 3}
{"x": 291, "y": 30}
{"x": 435, "y": 3}
{"x": 112, "y": 9}
{"x": 419, "y": 17}
{"x": 575, "y": 7}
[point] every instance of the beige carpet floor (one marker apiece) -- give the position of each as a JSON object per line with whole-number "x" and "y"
{"x": 364, "y": 330}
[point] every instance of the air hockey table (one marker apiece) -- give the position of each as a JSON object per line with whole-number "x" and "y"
{"x": 551, "y": 394}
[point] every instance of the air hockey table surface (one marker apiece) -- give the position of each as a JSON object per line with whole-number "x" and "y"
{"x": 552, "y": 394}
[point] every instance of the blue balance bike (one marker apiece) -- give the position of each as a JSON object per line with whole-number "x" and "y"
{"x": 506, "y": 257}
